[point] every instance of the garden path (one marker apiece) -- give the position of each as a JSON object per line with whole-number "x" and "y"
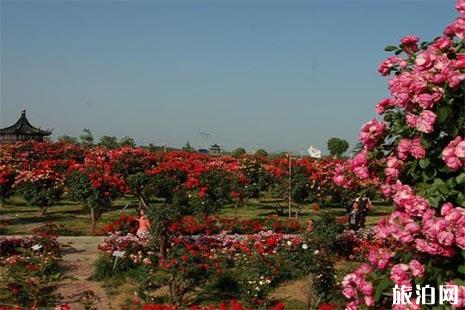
{"x": 79, "y": 254}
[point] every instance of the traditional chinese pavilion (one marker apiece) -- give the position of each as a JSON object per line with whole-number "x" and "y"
{"x": 22, "y": 130}
{"x": 215, "y": 149}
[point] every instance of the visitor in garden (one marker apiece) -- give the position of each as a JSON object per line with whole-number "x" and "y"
{"x": 365, "y": 205}
{"x": 144, "y": 225}
{"x": 354, "y": 214}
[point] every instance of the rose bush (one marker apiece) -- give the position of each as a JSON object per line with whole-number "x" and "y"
{"x": 417, "y": 154}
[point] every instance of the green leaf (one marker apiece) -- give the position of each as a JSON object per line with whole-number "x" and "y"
{"x": 391, "y": 48}
{"x": 424, "y": 163}
{"x": 383, "y": 284}
{"x": 443, "y": 114}
{"x": 461, "y": 201}
{"x": 460, "y": 178}
{"x": 462, "y": 269}
{"x": 444, "y": 189}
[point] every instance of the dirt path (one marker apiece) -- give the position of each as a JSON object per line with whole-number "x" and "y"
{"x": 79, "y": 254}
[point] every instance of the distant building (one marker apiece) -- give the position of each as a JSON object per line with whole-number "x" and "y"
{"x": 215, "y": 149}
{"x": 22, "y": 130}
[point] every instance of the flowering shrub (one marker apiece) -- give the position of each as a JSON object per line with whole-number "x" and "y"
{"x": 417, "y": 154}
{"x": 125, "y": 224}
{"x": 41, "y": 186}
{"x": 251, "y": 264}
{"x": 7, "y": 179}
{"x": 28, "y": 266}
{"x": 231, "y": 305}
{"x": 93, "y": 183}
{"x": 193, "y": 225}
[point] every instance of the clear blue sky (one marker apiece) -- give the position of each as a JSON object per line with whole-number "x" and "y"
{"x": 275, "y": 74}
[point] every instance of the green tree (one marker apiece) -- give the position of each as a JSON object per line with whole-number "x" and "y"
{"x": 127, "y": 141}
{"x": 240, "y": 151}
{"x": 261, "y": 152}
{"x": 109, "y": 142}
{"x": 68, "y": 139}
{"x": 188, "y": 147}
{"x": 86, "y": 138}
{"x": 337, "y": 146}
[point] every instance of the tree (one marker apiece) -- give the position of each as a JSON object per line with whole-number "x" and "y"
{"x": 87, "y": 139}
{"x": 42, "y": 186}
{"x": 68, "y": 139}
{"x": 261, "y": 153}
{"x": 109, "y": 142}
{"x": 94, "y": 184}
{"x": 240, "y": 151}
{"x": 127, "y": 141}
{"x": 187, "y": 147}
{"x": 337, "y": 146}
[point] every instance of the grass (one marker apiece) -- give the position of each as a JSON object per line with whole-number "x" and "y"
{"x": 22, "y": 219}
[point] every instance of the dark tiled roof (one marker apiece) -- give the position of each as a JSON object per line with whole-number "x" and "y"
{"x": 22, "y": 126}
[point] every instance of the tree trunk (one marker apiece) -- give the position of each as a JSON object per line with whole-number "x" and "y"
{"x": 162, "y": 245}
{"x": 142, "y": 201}
{"x": 93, "y": 214}
{"x": 44, "y": 210}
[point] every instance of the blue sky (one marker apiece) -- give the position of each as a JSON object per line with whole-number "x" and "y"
{"x": 276, "y": 74}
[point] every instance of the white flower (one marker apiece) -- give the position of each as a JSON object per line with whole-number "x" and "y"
{"x": 304, "y": 246}
{"x": 268, "y": 281}
{"x": 316, "y": 252}
{"x": 289, "y": 243}
{"x": 261, "y": 282}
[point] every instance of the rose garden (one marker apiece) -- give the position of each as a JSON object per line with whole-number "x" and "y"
{"x": 252, "y": 231}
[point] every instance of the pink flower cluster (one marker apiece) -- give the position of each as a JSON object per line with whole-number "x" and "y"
{"x": 380, "y": 257}
{"x": 441, "y": 233}
{"x": 401, "y": 274}
{"x": 454, "y": 154}
{"x": 371, "y": 133}
{"x": 410, "y": 147}
{"x": 354, "y": 284}
{"x": 423, "y": 122}
{"x": 398, "y": 226}
{"x": 422, "y": 83}
{"x": 392, "y": 169}
{"x": 359, "y": 163}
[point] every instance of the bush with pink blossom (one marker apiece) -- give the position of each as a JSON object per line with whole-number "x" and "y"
{"x": 417, "y": 152}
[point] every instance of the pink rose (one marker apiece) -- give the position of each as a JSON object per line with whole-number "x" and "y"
{"x": 425, "y": 100}
{"x": 460, "y": 150}
{"x": 418, "y": 270}
{"x": 446, "y": 238}
{"x": 442, "y": 43}
{"x": 460, "y": 6}
{"x": 349, "y": 292}
{"x": 417, "y": 149}
{"x": 399, "y": 274}
{"x": 424, "y": 60}
{"x": 371, "y": 133}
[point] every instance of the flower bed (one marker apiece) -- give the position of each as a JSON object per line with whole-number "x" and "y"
{"x": 28, "y": 268}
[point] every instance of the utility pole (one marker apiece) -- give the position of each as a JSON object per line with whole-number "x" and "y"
{"x": 165, "y": 145}
{"x": 301, "y": 151}
{"x": 289, "y": 185}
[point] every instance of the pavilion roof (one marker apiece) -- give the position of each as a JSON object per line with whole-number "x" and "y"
{"x": 22, "y": 126}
